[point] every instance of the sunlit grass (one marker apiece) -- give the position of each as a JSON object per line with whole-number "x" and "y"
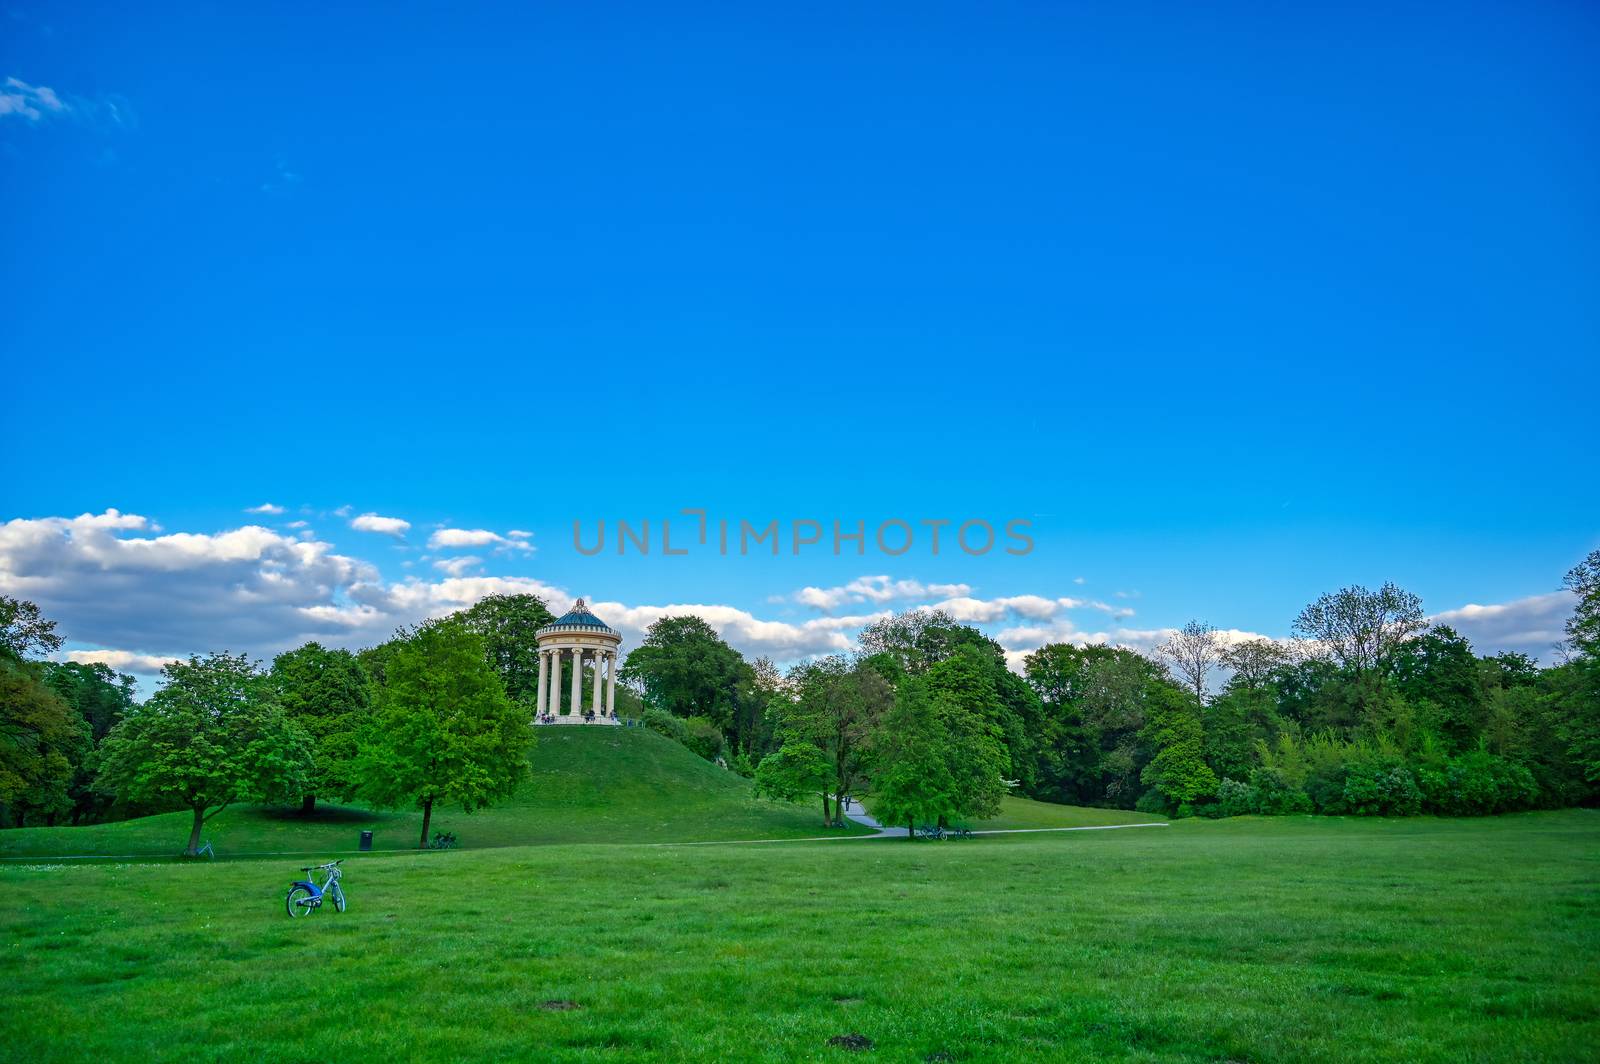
{"x": 1284, "y": 940}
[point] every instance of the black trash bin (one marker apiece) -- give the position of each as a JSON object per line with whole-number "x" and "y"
{"x": 366, "y": 841}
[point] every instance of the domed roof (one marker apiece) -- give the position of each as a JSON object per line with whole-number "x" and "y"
{"x": 579, "y": 614}
{"x": 579, "y": 617}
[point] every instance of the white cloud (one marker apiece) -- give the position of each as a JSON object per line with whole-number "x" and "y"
{"x": 111, "y": 584}
{"x": 267, "y": 508}
{"x": 458, "y": 566}
{"x": 782, "y": 641}
{"x": 1532, "y": 625}
{"x": 132, "y": 597}
{"x": 874, "y": 589}
{"x": 389, "y": 526}
{"x": 517, "y": 533}
{"x": 31, "y": 102}
{"x": 447, "y": 538}
{"x": 120, "y": 660}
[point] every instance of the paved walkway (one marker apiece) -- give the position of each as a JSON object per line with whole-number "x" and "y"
{"x": 856, "y": 813}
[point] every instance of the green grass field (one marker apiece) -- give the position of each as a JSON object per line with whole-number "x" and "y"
{"x": 1246, "y": 940}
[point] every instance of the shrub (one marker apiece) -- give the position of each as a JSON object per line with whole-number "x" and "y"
{"x": 1235, "y": 798}
{"x": 1477, "y": 783}
{"x": 1272, "y": 794}
{"x": 1152, "y": 801}
{"x": 1381, "y": 787}
{"x": 659, "y": 720}
{"x": 703, "y": 737}
{"x": 739, "y": 764}
{"x": 1325, "y": 788}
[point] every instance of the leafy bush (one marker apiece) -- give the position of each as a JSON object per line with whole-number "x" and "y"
{"x": 1381, "y": 787}
{"x": 1235, "y": 798}
{"x": 1272, "y": 794}
{"x": 659, "y": 720}
{"x": 1325, "y": 787}
{"x": 739, "y": 764}
{"x": 703, "y": 737}
{"x": 1153, "y": 801}
{"x": 697, "y": 733}
{"x": 1476, "y": 784}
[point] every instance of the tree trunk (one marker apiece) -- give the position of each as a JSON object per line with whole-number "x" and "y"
{"x": 827, "y": 817}
{"x": 308, "y": 804}
{"x": 911, "y": 829}
{"x": 427, "y": 818}
{"x": 194, "y": 832}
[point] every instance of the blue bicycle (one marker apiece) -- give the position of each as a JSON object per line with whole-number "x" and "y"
{"x": 305, "y": 897}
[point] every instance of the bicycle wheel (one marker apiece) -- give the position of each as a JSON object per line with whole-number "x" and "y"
{"x": 298, "y": 902}
{"x": 338, "y": 898}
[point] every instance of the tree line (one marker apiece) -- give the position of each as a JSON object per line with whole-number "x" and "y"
{"x": 439, "y": 714}
{"x": 1367, "y": 711}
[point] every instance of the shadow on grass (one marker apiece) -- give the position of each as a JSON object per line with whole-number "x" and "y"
{"x": 327, "y": 814}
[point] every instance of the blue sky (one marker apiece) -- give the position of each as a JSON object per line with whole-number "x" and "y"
{"x": 1235, "y": 304}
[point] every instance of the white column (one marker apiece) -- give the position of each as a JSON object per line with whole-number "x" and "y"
{"x": 594, "y": 693}
{"x": 544, "y": 682}
{"x": 577, "y": 681}
{"x": 553, "y": 703}
{"x": 611, "y": 683}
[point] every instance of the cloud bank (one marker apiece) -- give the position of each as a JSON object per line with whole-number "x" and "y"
{"x": 132, "y": 596}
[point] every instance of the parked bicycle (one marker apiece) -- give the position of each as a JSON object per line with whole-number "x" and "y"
{"x": 305, "y": 897}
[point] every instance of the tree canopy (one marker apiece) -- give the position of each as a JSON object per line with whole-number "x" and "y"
{"x": 214, "y": 734}
{"x": 442, "y": 727}
{"x": 325, "y": 692}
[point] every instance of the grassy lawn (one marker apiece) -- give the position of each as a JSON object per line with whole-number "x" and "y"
{"x": 1260, "y": 940}
{"x": 1024, "y": 813}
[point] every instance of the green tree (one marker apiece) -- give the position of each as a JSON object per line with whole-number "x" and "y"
{"x": 935, "y": 758}
{"x": 1254, "y": 661}
{"x": 23, "y": 631}
{"x": 442, "y": 728}
{"x": 835, "y": 706}
{"x": 1583, "y": 627}
{"x": 976, "y": 679}
{"x": 911, "y": 782}
{"x": 1360, "y": 629}
{"x": 325, "y": 692}
{"x": 1118, "y": 687}
{"x": 685, "y": 668}
{"x": 1439, "y": 668}
{"x": 1173, "y": 729}
{"x": 915, "y": 640}
{"x": 214, "y": 734}
{"x": 506, "y": 624}
{"x": 796, "y": 771}
{"x": 42, "y": 742}
{"x": 100, "y": 698}
{"x": 1233, "y": 723}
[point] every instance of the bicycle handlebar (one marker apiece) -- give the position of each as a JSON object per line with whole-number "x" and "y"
{"x": 313, "y": 868}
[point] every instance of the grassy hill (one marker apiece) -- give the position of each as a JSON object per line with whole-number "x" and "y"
{"x": 606, "y": 785}
{"x": 587, "y": 785}
{"x": 1289, "y": 939}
